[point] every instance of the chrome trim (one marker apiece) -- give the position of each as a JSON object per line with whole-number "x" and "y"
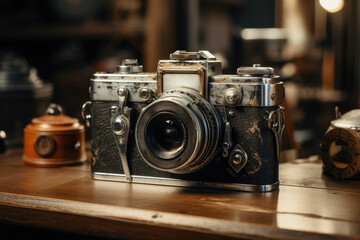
{"x": 103, "y": 87}
{"x": 207, "y": 55}
{"x": 121, "y": 137}
{"x": 276, "y": 122}
{"x": 86, "y": 113}
{"x": 130, "y": 66}
{"x": 185, "y": 183}
{"x": 251, "y": 94}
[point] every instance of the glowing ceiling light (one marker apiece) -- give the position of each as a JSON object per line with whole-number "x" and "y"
{"x": 332, "y": 6}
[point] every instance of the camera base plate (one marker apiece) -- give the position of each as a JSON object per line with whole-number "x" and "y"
{"x": 185, "y": 183}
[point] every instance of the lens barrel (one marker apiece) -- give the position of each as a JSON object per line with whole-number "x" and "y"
{"x": 179, "y": 132}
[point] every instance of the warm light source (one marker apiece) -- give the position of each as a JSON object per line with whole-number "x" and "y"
{"x": 332, "y": 6}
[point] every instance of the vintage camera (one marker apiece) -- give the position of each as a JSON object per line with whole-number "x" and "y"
{"x": 187, "y": 124}
{"x": 340, "y": 148}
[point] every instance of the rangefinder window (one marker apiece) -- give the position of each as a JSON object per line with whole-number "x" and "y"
{"x": 177, "y": 80}
{"x": 182, "y": 78}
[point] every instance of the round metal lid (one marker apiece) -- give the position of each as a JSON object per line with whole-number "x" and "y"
{"x": 255, "y": 70}
{"x": 350, "y": 120}
{"x": 54, "y": 120}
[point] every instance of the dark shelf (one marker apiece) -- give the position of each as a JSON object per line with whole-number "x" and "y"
{"x": 54, "y": 31}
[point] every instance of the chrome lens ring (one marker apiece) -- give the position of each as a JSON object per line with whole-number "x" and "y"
{"x": 202, "y": 126}
{"x": 177, "y": 110}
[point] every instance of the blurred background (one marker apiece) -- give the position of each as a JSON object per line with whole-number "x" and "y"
{"x": 49, "y": 50}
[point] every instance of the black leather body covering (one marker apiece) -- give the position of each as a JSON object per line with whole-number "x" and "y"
{"x": 249, "y": 129}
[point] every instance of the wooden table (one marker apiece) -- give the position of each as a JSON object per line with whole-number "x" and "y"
{"x": 307, "y": 205}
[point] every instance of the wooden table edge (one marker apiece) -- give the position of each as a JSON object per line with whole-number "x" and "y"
{"x": 114, "y": 221}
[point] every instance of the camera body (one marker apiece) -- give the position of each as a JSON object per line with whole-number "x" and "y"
{"x": 187, "y": 124}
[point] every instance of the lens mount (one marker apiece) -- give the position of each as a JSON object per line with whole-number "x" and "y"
{"x": 178, "y": 133}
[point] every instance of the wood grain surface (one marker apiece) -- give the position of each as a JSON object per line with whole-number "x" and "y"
{"x": 308, "y": 205}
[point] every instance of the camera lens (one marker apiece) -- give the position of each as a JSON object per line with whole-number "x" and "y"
{"x": 178, "y": 133}
{"x": 166, "y": 135}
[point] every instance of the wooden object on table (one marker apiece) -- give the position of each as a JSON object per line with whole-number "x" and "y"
{"x": 308, "y": 205}
{"x": 54, "y": 140}
{"x": 340, "y": 150}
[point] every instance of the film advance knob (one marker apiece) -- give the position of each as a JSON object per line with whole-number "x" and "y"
{"x": 130, "y": 66}
{"x": 184, "y": 55}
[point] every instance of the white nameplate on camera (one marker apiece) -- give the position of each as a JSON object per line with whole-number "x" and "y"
{"x": 178, "y": 80}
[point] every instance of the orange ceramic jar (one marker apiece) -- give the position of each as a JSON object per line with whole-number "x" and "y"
{"x": 54, "y": 140}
